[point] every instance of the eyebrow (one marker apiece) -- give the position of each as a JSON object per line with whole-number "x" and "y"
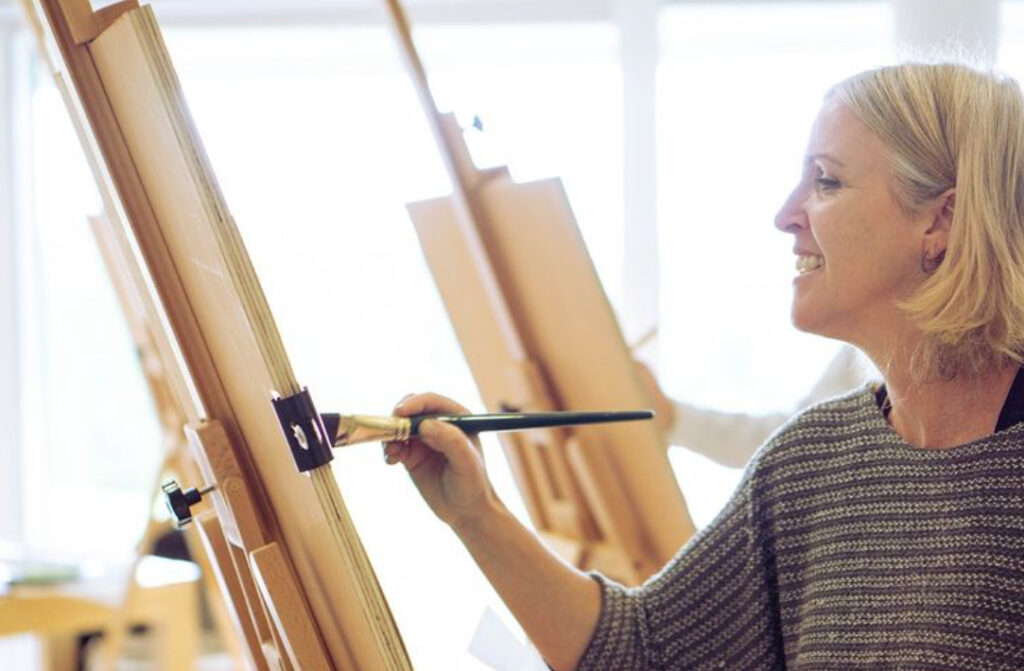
{"x": 825, "y": 157}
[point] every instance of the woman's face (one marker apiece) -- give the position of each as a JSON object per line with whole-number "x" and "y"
{"x": 858, "y": 251}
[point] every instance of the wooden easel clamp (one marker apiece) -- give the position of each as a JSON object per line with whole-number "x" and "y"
{"x": 304, "y": 430}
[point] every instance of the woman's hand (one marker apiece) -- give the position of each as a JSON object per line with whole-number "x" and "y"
{"x": 664, "y": 409}
{"x": 557, "y": 605}
{"x": 446, "y": 465}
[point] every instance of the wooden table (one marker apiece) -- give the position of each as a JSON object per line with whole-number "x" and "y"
{"x": 164, "y": 596}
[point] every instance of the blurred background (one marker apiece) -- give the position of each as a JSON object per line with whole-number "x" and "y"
{"x": 677, "y": 127}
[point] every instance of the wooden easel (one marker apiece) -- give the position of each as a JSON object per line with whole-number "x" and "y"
{"x": 281, "y": 542}
{"x": 539, "y": 334}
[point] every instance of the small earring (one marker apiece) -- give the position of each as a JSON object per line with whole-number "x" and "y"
{"x": 930, "y": 265}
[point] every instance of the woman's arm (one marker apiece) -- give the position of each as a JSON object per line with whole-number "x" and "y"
{"x": 730, "y": 438}
{"x": 557, "y": 606}
{"x": 711, "y": 607}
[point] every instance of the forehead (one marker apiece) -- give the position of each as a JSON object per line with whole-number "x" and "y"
{"x": 843, "y": 138}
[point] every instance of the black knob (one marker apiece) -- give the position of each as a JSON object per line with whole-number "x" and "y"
{"x": 179, "y": 502}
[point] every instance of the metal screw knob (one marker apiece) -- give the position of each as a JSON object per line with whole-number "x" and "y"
{"x": 179, "y": 502}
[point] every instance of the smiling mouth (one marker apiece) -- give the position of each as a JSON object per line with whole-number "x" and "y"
{"x": 807, "y": 263}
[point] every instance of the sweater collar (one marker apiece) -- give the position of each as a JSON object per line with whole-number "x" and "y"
{"x": 1011, "y": 414}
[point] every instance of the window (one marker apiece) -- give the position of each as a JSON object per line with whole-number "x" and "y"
{"x": 1011, "y": 38}
{"x": 738, "y": 87}
{"x": 11, "y": 524}
{"x": 91, "y": 443}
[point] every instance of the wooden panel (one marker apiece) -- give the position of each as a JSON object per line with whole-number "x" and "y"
{"x": 486, "y": 332}
{"x": 276, "y": 584}
{"x": 568, "y": 327}
{"x": 503, "y": 374}
{"x": 216, "y": 548}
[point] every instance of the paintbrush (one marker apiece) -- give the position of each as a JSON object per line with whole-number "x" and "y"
{"x": 347, "y": 430}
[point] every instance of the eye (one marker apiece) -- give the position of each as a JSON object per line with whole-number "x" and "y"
{"x": 825, "y": 183}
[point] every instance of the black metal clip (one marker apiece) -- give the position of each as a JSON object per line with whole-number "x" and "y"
{"x": 304, "y": 430}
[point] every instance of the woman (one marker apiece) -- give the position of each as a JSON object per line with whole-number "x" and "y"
{"x": 880, "y": 530}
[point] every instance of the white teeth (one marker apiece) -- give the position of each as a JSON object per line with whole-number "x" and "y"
{"x": 805, "y": 263}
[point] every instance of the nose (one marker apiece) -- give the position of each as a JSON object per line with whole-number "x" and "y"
{"x": 792, "y": 217}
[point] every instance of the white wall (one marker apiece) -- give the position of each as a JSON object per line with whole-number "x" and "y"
{"x": 10, "y": 463}
{"x": 923, "y": 26}
{"x": 638, "y": 30}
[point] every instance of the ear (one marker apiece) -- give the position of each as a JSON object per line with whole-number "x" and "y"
{"x": 936, "y": 236}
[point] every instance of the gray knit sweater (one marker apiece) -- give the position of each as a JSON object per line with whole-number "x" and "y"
{"x": 843, "y": 548}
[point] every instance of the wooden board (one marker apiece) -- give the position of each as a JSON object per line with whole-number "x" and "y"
{"x": 122, "y": 88}
{"x": 505, "y": 376}
{"x": 570, "y": 330}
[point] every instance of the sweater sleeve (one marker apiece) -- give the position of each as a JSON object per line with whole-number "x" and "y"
{"x": 729, "y": 438}
{"x": 712, "y": 607}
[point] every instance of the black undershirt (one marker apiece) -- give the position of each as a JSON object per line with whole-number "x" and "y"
{"x": 1013, "y": 408}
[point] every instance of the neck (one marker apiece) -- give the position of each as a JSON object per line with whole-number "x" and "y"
{"x": 945, "y": 413}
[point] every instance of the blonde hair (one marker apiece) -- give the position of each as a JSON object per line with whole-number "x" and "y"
{"x": 950, "y": 125}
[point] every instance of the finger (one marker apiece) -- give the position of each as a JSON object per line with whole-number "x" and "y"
{"x": 391, "y": 452}
{"x": 453, "y": 444}
{"x": 410, "y": 453}
{"x": 416, "y": 454}
{"x": 420, "y": 404}
{"x": 404, "y": 399}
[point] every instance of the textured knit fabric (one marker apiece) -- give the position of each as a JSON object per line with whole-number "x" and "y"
{"x": 843, "y": 548}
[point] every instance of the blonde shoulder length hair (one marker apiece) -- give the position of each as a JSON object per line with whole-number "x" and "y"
{"x": 950, "y": 125}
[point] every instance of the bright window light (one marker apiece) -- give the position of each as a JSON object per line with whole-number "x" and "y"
{"x": 91, "y": 442}
{"x": 1011, "y": 38}
{"x": 738, "y": 87}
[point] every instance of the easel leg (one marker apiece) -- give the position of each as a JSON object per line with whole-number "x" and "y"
{"x": 178, "y": 635}
{"x": 59, "y": 652}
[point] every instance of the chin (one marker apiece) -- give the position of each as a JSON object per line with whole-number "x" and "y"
{"x": 804, "y": 326}
{"x": 808, "y": 321}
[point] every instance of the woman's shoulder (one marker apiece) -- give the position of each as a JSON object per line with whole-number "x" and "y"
{"x": 824, "y": 425}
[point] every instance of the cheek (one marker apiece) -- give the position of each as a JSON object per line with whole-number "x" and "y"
{"x": 875, "y": 258}
{"x": 834, "y": 237}
{"x": 849, "y": 233}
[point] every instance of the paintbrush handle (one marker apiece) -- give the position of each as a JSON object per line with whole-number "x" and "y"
{"x": 346, "y": 430}
{"x": 518, "y": 421}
